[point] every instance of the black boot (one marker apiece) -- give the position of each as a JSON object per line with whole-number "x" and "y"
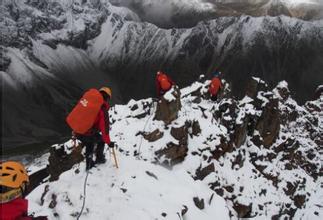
{"x": 100, "y": 159}
{"x": 89, "y": 163}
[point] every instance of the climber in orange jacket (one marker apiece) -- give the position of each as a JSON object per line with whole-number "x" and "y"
{"x": 215, "y": 85}
{"x": 98, "y": 134}
{"x": 163, "y": 83}
{"x": 13, "y": 184}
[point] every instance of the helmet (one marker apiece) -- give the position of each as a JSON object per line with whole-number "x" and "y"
{"x": 13, "y": 174}
{"x": 216, "y": 73}
{"x": 165, "y": 84}
{"x": 107, "y": 90}
{"x": 13, "y": 181}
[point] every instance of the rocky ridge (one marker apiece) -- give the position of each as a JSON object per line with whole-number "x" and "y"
{"x": 262, "y": 154}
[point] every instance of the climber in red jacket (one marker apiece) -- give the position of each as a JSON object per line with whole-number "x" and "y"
{"x": 215, "y": 86}
{"x": 93, "y": 136}
{"x": 13, "y": 184}
{"x": 163, "y": 83}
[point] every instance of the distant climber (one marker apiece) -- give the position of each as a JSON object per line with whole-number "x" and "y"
{"x": 163, "y": 83}
{"x": 215, "y": 86}
{"x": 89, "y": 121}
{"x": 13, "y": 185}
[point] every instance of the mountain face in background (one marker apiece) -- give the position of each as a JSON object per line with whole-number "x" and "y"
{"x": 186, "y": 14}
{"x": 53, "y": 50}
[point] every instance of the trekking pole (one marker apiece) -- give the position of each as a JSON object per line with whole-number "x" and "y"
{"x": 115, "y": 157}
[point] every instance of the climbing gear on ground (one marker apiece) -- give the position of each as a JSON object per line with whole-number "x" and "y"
{"x": 107, "y": 90}
{"x": 83, "y": 115}
{"x": 13, "y": 174}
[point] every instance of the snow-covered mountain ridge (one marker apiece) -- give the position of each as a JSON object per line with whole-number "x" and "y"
{"x": 70, "y": 46}
{"x": 260, "y": 156}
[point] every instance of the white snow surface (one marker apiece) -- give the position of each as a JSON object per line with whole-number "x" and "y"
{"x": 127, "y": 193}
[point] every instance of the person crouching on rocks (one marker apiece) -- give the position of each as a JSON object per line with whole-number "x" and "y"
{"x": 215, "y": 86}
{"x": 163, "y": 83}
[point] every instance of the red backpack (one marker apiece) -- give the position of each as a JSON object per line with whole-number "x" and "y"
{"x": 83, "y": 115}
{"x": 215, "y": 86}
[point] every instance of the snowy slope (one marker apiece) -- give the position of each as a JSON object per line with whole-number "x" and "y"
{"x": 137, "y": 190}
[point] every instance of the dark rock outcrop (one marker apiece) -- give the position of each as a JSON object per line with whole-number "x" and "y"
{"x": 199, "y": 202}
{"x": 173, "y": 154}
{"x": 167, "y": 110}
{"x": 152, "y": 136}
{"x": 201, "y": 173}
{"x": 60, "y": 160}
{"x": 243, "y": 211}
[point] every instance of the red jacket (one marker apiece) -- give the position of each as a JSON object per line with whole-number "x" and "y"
{"x": 102, "y": 123}
{"x": 15, "y": 210}
{"x": 215, "y": 86}
{"x": 160, "y": 91}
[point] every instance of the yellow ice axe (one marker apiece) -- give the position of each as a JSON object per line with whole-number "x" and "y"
{"x": 115, "y": 157}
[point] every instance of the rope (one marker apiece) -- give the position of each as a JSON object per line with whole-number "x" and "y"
{"x": 84, "y": 197}
{"x": 142, "y": 136}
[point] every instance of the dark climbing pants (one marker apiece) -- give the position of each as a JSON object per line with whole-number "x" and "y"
{"x": 89, "y": 142}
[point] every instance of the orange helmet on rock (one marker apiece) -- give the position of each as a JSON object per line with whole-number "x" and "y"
{"x": 107, "y": 90}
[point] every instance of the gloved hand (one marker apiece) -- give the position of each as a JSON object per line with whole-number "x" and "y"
{"x": 112, "y": 144}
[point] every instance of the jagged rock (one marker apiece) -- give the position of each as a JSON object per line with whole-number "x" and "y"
{"x": 151, "y": 175}
{"x": 290, "y": 188}
{"x": 318, "y": 92}
{"x": 173, "y": 153}
{"x": 240, "y": 133}
{"x": 201, "y": 173}
{"x": 153, "y": 136}
{"x": 4, "y": 59}
{"x": 243, "y": 211}
{"x": 167, "y": 110}
{"x": 299, "y": 200}
{"x": 193, "y": 128}
{"x": 179, "y": 133}
{"x": 61, "y": 161}
{"x": 53, "y": 202}
{"x": 283, "y": 90}
{"x": 184, "y": 210}
{"x": 255, "y": 85}
{"x": 268, "y": 124}
{"x": 36, "y": 179}
{"x": 229, "y": 189}
{"x": 238, "y": 160}
{"x": 222, "y": 148}
{"x": 199, "y": 203}
{"x": 42, "y": 200}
